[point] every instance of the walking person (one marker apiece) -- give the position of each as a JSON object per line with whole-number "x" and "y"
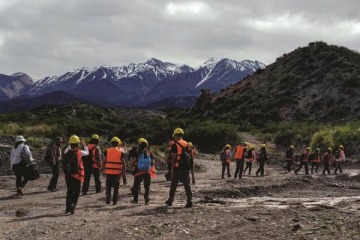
{"x": 124, "y": 154}
{"x": 339, "y": 159}
{"x": 289, "y": 158}
{"x": 315, "y": 161}
{"x": 55, "y": 156}
{"x": 180, "y": 166}
{"x": 92, "y": 165}
{"x": 239, "y": 159}
{"x": 142, "y": 163}
{"x": 113, "y": 170}
{"x": 74, "y": 171}
{"x": 20, "y": 157}
{"x": 304, "y": 159}
{"x": 250, "y": 158}
{"x": 262, "y": 160}
{"x": 327, "y": 159}
{"x": 225, "y": 158}
{"x": 193, "y": 153}
{"x": 167, "y": 159}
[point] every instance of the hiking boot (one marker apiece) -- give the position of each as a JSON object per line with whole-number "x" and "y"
{"x": 19, "y": 192}
{"x": 107, "y": 200}
{"x": 51, "y": 189}
{"x": 168, "y": 202}
{"x": 114, "y": 203}
{"x": 134, "y": 201}
{"x": 229, "y": 176}
{"x": 189, "y": 205}
{"x": 147, "y": 201}
{"x": 295, "y": 172}
{"x": 72, "y": 208}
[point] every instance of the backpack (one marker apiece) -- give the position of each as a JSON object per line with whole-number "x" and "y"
{"x": 144, "y": 161}
{"x": 311, "y": 157}
{"x": 289, "y": 153}
{"x": 49, "y": 153}
{"x": 87, "y": 160}
{"x": 70, "y": 162}
{"x": 248, "y": 154}
{"x": 223, "y": 156}
{"x": 185, "y": 159}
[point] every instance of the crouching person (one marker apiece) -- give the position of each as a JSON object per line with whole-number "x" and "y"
{"x": 113, "y": 170}
{"x": 74, "y": 171}
{"x": 142, "y": 164}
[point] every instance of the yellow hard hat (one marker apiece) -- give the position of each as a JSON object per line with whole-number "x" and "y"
{"x": 341, "y": 147}
{"x": 116, "y": 139}
{"x": 95, "y": 136}
{"x": 263, "y": 145}
{"x": 329, "y": 149}
{"x": 227, "y": 146}
{"x": 246, "y": 143}
{"x": 292, "y": 146}
{"x": 142, "y": 140}
{"x": 308, "y": 148}
{"x": 318, "y": 149}
{"x": 252, "y": 147}
{"x": 74, "y": 139}
{"x": 178, "y": 131}
{"x": 190, "y": 144}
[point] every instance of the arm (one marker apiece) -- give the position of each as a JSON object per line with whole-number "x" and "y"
{"x": 98, "y": 156}
{"x": 343, "y": 155}
{"x": 85, "y": 152}
{"x": 28, "y": 153}
{"x": 53, "y": 154}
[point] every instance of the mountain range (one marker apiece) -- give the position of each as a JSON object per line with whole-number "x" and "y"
{"x": 149, "y": 83}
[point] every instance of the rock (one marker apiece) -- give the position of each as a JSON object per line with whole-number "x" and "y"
{"x": 21, "y": 212}
{"x": 252, "y": 219}
{"x": 297, "y": 227}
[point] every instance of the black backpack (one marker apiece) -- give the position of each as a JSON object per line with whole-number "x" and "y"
{"x": 223, "y": 156}
{"x": 87, "y": 160}
{"x": 185, "y": 159}
{"x": 289, "y": 153}
{"x": 248, "y": 153}
{"x": 70, "y": 162}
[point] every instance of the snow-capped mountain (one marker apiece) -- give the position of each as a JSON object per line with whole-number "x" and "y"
{"x": 14, "y": 85}
{"x": 139, "y": 84}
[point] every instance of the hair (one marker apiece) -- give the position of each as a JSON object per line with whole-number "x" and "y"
{"x": 74, "y": 145}
{"x": 94, "y": 141}
{"x": 114, "y": 144}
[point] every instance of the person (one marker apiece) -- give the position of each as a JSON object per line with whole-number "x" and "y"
{"x": 167, "y": 158}
{"x": 92, "y": 165}
{"x": 56, "y": 155}
{"x": 239, "y": 159}
{"x": 315, "y": 161}
{"x": 225, "y": 158}
{"x": 328, "y": 157}
{"x": 124, "y": 151}
{"x": 304, "y": 159}
{"x": 179, "y": 168}
{"x": 142, "y": 164}
{"x": 113, "y": 170}
{"x": 262, "y": 160}
{"x": 75, "y": 178}
{"x": 132, "y": 155}
{"x": 250, "y": 158}
{"x": 289, "y": 158}
{"x": 20, "y": 157}
{"x": 193, "y": 153}
{"x": 339, "y": 158}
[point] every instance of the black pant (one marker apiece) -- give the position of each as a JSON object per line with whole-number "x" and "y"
{"x": 112, "y": 181}
{"x": 227, "y": 166}
{"x": 55, "y": 175}
{"x": 289, "y": 165}
{"x": 73, "y": 191}
{"x": 182, "y": 175}
{"x": 301, "y": 165}
{"x": 314, "y": 165}
{"x": 239, "y": 168}
{"x": 338, "y": 166}
{"x": 137, "y": 181}
{"x": 326, "y": 168}
{"x": 248, "y": 166}
{"x": 261, "y": 168}
{"x": 21, "y": 178}
{"x": 87, "y": 177}
{"x": 167, "y": 175}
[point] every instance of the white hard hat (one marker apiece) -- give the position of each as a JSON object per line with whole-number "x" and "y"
{"x": 20, "y": 139}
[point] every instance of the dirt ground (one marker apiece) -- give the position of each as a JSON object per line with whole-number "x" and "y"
{"x": 276, "y": 206}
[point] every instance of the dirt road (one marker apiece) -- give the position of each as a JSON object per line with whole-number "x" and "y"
{"x": 277, "y": 206}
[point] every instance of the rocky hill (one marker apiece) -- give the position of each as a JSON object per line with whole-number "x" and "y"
{"x": 318, "y": 83}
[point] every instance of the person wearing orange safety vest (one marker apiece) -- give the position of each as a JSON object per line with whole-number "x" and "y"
{"x": 167, "y": 158}
{"x": 193, "y": 153}
{"x": 92, "y": 165}
{"x": 73, "y": 182}
{"x": 327, "y": 158}
{"x": 304, "y": 159}
{"x": 225, "y": 158}
{"x": 250, "y": 158}
{"x": 315, "y": 161}
{"x": 289, "y": 155}
{"x": 180, "y": 167}
{"x": 113, "y": 167}
{"x": 239, "y": 159}
{"x": 142, "y": 164}
{"x": 339, "y": 158}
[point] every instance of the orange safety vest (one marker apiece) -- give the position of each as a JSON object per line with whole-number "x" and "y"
{"x": 239, "y": 152}
{"x": 92, "y": 148}
{"x": 113, "y": 165}
{"x": 80, "y": 174}
{"x": 179, "y": 145}
{"x": 317, "y": 159}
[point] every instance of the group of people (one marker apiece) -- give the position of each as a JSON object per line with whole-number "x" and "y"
{"x": 81, "y": 161}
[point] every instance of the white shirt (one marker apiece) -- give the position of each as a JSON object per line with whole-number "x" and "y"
{"x": 15, "y": 156}
{"x": 84, "y": 152}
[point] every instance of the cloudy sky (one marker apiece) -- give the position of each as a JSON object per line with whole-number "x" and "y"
{"x": 50, "y": 37}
